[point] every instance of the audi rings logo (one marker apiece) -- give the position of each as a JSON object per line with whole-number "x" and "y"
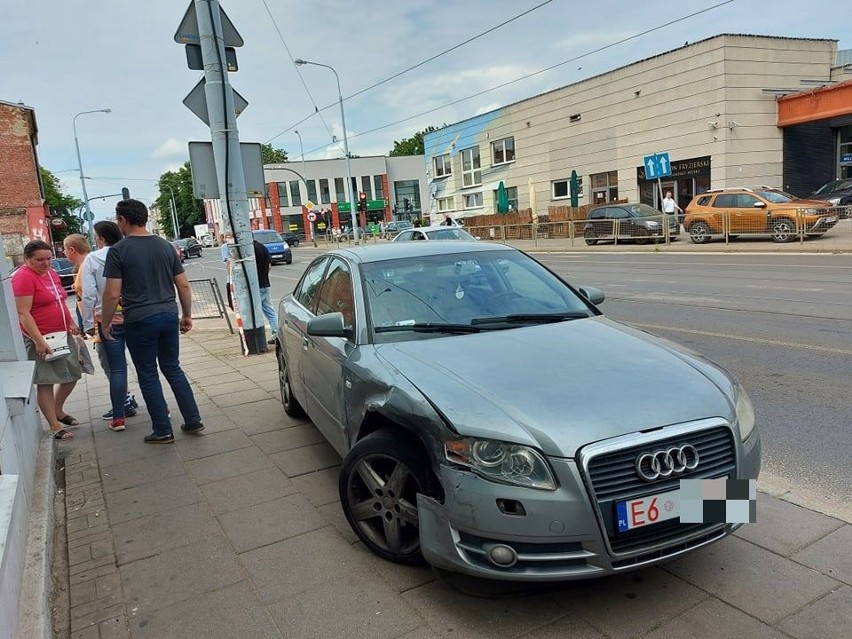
{"x": 665, "y": 463}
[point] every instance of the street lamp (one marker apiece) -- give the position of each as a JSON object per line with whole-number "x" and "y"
{"x": 173, "y": 207}
{"x": 89, "y": 217}
{"x": 305, "y": 179}
{"x": 300, "y": 62}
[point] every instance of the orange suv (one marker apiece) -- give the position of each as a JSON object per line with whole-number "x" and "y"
{"x": 755, "y": 210}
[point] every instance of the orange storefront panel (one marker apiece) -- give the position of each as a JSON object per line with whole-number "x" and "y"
{"x": 819, "y": 104}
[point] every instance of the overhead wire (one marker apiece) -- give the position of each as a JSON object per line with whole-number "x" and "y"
{"x": 411, "y": 68}
{"x": 535, "y": 73}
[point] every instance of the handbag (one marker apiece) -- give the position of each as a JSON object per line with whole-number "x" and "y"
{"x": 85, "y": 357}
{"x": 58, "y": 341}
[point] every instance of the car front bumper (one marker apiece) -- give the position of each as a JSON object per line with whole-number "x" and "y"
{"x": 560, "y": 537}
{"x": 286, "y": 256}
{"x": 822, "y": 224}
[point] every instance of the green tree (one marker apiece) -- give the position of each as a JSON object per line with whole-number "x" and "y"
{"x": 61, "y": 204}
{"x": 412, "y": 145}
{"x": 272, "y": 155}
{"x": 190, "y": 211}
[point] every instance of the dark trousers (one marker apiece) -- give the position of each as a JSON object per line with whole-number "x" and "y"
{"x": 155, "y": 341}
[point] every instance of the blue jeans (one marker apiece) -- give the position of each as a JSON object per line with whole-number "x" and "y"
{"x": 269, "y": 309}
{"x": 117, "y": 373}
{"x": 152, "y": 341}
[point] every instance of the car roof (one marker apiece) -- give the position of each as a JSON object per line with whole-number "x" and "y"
{"x": 399, "y": 250}
{"x": 437, "y": 227}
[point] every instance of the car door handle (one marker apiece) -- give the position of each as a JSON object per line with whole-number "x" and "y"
{"x": 305, "y": 343}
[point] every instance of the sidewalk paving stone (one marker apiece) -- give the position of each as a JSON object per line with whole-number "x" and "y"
{"x": 400, "y": 577}
{"x": 241, "y": 397}
{"x": 333, "y": 514}
{"x": 303, "y": 562}
{"x": 568, "y": 627}
{"x": 752, "y": 579}
{"x": 831, "y": 555}
{"x": 242, "y": 491}
{"x": 348, "y": 606}
{"x": 713, "y": 618}
{"x": 121, "y": 476}
{"x": 262, "y": 417}
{"x": 831, "y": 616}
{"x": 270, "y": 521}
{"x": 141, "y": 538}
{"x": 448, "y": 612}
{"x": 773, "y": 531}
{"x": 179, "y": 574}
{"x": 233, "y": 612}
{"x": 221, "y": 389}
{"x": 296, "y": 436}
{"x": 206, "y": 444}
{"x": 224, "y": 465}
{"x": 152, "y": 498}
{"x": 321, "y": 486}
{"x": 306, "y": 459}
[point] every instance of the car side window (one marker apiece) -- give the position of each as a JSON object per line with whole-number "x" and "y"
{"x": 598, "y": 214}
{"x": 618, "y": 214}
{"x": 746, "y": 201}
{"x": 404, "y": 236}
{"x": 419, "y": 236}
{"x": 704, "y": 200}
{"x": 725, "y": 201}
{"x": 308, "y": 288}
{"x": 336, "y": 294}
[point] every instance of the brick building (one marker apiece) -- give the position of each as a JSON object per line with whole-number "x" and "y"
{"x": 22, "y": 209}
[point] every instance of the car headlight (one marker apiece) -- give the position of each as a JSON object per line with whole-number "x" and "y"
{"x": 652, "y": 223}
{"x": 809, "y": 211}
{"x": 834, "y": 201}
{"x": 502, "y": 462}
{"x": 745, "y": 413}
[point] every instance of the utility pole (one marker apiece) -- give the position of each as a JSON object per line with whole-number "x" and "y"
{"x": 229, "y": 170}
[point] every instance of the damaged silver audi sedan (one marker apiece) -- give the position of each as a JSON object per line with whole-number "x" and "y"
{"x": 492, "y": 421}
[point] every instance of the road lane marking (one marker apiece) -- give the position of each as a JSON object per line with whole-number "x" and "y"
{"x": 783, "y": 288}
{"x": 742, "y": 338}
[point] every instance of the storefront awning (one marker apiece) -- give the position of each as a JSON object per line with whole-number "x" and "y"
{"x": 818, "y": 104}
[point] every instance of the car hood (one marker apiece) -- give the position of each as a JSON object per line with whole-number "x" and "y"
{"x": 560, "y": 386}
{"x": 811, "y": 202}
{"x": 827, "y": 196}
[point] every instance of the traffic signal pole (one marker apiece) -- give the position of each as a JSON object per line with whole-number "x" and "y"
{"x": 229, "y": 172}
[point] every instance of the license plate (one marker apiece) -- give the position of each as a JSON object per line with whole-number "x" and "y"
{"x": 829, "y": 220}
{"x": 635, "y": 513}
{"x": 277, "y": 255}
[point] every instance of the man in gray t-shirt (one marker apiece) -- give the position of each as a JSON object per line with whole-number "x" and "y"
{"x": 143, "y": 271}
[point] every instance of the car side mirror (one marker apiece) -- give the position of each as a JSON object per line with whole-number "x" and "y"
{"x": 328, "y": 325}
{"x": 760, "y": 205}
{"x": 594, "y": 295}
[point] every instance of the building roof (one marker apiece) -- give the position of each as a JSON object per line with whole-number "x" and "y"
{"x": 821, "y": 103}
{"x": 637, "y": 62}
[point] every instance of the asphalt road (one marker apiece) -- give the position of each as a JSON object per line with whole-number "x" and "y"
{"x": 781, "y": 323}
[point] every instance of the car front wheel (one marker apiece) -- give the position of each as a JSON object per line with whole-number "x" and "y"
{"x": 699, "y": 233}
{"x": 291, "y": 405}
{"x": 784, "y": 230}
{"x": 379, "y": 482}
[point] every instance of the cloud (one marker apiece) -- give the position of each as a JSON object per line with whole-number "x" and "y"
{"x": 487, "y": 107}
{"x": 171, "y": 148}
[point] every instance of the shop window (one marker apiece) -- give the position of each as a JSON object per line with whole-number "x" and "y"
{"x": 604, "y": 187}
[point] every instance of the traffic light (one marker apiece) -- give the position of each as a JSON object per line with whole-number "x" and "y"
{"x": 362, "y": 201}
{"x": 406, "y": 204}
{"x": 125, "y": 193}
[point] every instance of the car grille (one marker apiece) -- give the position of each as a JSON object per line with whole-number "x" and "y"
{"x": 612, "y": 477}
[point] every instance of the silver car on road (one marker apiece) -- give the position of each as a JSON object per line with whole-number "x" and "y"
{"x": 492, "y": 421}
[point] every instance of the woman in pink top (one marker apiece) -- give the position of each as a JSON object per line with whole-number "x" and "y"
{"x": 40, "y": 301}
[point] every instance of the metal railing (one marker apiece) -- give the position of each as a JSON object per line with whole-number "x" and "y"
{"x": 207, "y": 301}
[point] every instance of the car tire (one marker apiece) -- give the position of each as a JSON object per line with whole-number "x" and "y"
{"x": 783, "y": 230}
{"x": 291, "y": 405}
{"x": 699, "y": 233}
{"x": 295, "y": 242}
{"x": 379, "y": 482}
{"x": 590, "y": 238}
{"x": 641, "y": 237}
{"x": 289, "y": 260}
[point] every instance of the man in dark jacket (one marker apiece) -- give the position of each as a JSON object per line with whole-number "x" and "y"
{"x": 264, "y": 263}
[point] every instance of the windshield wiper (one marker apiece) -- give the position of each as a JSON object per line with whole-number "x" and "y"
{"x": 430, "y": 327}
{"x": 530, "y": 318}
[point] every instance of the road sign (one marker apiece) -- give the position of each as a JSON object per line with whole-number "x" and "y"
{"x": 196, "y": 101}
{"x": 187, "y": 32}
{"x": 195, "y": 63}
{"x": 312, "y": 217}
{"x": 88, "y": 216}
{"x": 205, "y": 183}
{"x": 310, "y": 205}
{"x": 657, "y": 166}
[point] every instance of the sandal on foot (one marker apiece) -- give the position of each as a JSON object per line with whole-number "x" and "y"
{"x": 62, "y": 434}
{"x": 68, "y": 420}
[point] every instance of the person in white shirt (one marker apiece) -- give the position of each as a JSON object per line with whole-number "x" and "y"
{"x": 669, "y": 205}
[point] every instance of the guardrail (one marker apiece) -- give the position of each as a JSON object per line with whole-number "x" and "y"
{"x": 781, "y": 225}
{"x": 207, "y": 301}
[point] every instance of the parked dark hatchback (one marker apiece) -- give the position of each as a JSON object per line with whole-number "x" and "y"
{"x": 836, "y": 193}
{"x": 191, "y": 247}
{"x": 639, "y": 222}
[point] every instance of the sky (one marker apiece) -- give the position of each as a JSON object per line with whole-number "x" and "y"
{"x": 63, "y": 57}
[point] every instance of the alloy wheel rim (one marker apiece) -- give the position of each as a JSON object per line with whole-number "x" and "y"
{"x": 382, "y": 499}
{"x": 783, "y": 230}
{"x": 284, "y": 381}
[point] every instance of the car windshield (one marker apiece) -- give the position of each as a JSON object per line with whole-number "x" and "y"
{"x": 450, "y": 233}
{"x": 444, "y": 294}
{"x": 267, "y": 237}
{"x": 641, "y": 210}
{"x": 182, "y": 243}
{"x": 776, "y": 197}
{"x": 62, "y": 264}
{"x": 836, "y": 185}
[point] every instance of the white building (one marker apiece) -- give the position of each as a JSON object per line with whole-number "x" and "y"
{"x": 712, "y": 105}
